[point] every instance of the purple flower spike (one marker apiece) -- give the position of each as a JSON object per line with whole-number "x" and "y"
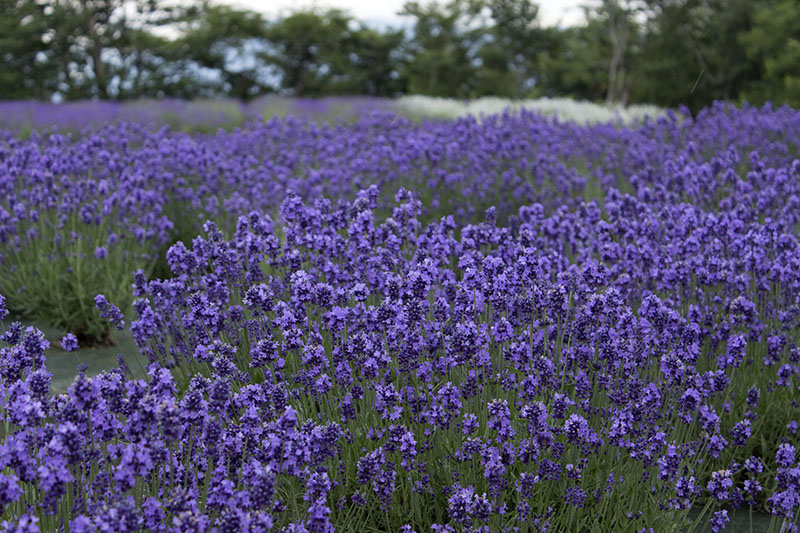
{"x": 69, "y": 342}
{"x": 719, "y": 521}
{"x": 109, "y": 311}
{"x": 720, "y": 484}
{"x": 27, "y": 523}
{"x": 319, "y": 521}
{"x": 786, "y": 455}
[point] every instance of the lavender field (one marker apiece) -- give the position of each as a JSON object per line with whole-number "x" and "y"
{"x": 512, "y": 323}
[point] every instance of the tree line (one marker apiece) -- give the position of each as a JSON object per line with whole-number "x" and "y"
{"x": 664, "y": 52}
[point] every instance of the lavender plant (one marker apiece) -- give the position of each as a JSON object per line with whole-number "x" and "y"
{"x": 409, "y": 343}
{"x": 611, "y": 345}
{"x": 78, "y": 216}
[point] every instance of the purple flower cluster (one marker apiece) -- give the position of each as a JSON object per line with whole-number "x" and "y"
{"x": 542, "y": 364}
{"x": 416, "y": 343}
{"x": 83, "y": 212}
{"x": 69, "y": 342}
{"x": 109, "y": 312}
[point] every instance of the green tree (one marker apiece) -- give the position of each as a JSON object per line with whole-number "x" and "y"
{"x": 443, "y": 55}
{"x": 307, "y": 49}
{"x": 576, "y": 65}
{"x": 773, "y": 43}
{"x": 223, "y": 42}
{"x": 369, "y": 63}
{"x": 595, "y": 61}
{"x": 691, "y": 53}
{"x": 86, "y": 32}
{"x": 107, "y": 48}
{"x": 24, "y": 70}
{"x": 146, "y": 64}
{"x": 510, "y": 58}
{"x": 316, "y": 52}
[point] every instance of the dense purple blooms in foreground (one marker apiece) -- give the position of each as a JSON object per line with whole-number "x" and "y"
{"x": 342, "y": 363}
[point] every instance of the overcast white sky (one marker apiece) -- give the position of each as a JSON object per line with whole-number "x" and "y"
{"x": 384, "y": 12}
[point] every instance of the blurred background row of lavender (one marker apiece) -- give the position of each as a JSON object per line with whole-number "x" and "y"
{"x": 209, "y": 115}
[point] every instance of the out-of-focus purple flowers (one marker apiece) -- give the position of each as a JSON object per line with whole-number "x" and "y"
{"x": 69, "y": 342}
{"x": 109, "y": 311}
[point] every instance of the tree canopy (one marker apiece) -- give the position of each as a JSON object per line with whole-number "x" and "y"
{"x": 664, "y": 52}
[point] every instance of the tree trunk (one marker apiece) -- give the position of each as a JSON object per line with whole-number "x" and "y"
{"x": 617, "y": 31}
{"x": 95, "y": 52}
